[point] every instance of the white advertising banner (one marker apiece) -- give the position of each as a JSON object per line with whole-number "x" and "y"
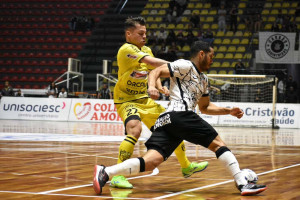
{"x": 211, "y": 119}
{"x": 259, "y": 114}
{"x": 93, "y": 110}
{"x": 35, "y": 108}
{"x": 255, "y": 114}
{"x": 98, "y": 110}
{"x": 276, "y": 47}
{"x": 288, "y": 115}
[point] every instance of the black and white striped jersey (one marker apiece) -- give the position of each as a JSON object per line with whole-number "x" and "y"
{"x": 187, "y": 85}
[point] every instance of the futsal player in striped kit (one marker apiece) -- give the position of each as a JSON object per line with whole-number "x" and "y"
{"x": 189, "y": 87}
{"x": 135, "y": 61}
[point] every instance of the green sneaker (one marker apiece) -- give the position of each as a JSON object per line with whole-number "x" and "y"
{"x": 194, "y": 168}
{"x": 120, "y": 182}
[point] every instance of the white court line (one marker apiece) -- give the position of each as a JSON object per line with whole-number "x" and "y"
{"x": 221, "y": 183}
{"x": 275, "y": 170}
{"x": 154, "y": 172}
{"x": 161, "y": 197}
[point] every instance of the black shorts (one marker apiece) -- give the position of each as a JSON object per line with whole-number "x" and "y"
{"x": 172, "y": 128}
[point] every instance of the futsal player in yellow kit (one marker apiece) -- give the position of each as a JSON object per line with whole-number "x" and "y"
{"x": 135, "y": 61}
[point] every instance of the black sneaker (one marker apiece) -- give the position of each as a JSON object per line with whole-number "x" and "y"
{"x": 251, "y": 189}
{"x": 100, "y": 178}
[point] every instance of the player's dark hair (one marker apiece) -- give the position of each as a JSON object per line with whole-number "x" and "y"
{"x": 131, "y": 22}
{"x": 199, "y": 46}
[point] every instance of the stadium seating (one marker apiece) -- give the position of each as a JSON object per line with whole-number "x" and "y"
{"x": 229, "y": 46}
{"x": 35, "y": 35}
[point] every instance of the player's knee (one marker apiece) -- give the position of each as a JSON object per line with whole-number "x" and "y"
{"x": 136, "y": 132}
{"x": 156, "y": 162}
{"x": 134, "y": 128}
{"x": 147, "y": 165}
{"x": 152, "y": 160}
{"x": 216, "y": 144}
{"x": 152, "y": 164}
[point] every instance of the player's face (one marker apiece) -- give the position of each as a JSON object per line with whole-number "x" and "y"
{"x": 137, "y": 35}
{"x": 207, "y": 60}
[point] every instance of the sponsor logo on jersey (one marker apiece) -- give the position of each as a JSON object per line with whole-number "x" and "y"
{"x": 136, "y": 84}
{"x": 135, "y": 91}
{"x": 131, "y": 56}
{"x": 139, "y": 74}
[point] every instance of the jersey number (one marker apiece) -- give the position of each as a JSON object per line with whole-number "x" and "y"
{"x": 131, "y": 111}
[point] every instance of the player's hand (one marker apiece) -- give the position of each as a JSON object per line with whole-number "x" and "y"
{"x": 165, "y": 91}
{"x": 153, "y": 93}
{"x": 237, "y": 112}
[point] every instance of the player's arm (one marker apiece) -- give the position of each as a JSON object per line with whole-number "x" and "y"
{"x": 162, "y": 89}
{"x": 155, "y": 62}
{"x": 154, "y": 76}
{"x": 207, "y": 107}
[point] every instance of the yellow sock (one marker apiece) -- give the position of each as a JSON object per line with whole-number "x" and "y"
{"x": 126, "y": 148}
{"x": 181, "y": 156}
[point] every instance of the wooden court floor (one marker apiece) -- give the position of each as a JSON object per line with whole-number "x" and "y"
{"x": 55, "y": 160}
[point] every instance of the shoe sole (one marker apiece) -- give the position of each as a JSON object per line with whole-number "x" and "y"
{"x": 186, "y": 176}
{"x": 114, "y": 186}
{"x": 249, "y": 193}
{"x": 96, "y": 184}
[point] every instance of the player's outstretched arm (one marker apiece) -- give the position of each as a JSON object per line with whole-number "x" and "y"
{"x": 162, "y": 89}
{"x": 207, "y": 107}
{"x": 236, "y": 112}
{"x": 155, "y": 62}
{"x": 154, "y": 75}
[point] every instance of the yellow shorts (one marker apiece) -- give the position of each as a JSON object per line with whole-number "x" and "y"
{"x": 146, "y": 109}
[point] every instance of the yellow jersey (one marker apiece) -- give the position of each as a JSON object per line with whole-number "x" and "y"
{"x": 132, "y": 74}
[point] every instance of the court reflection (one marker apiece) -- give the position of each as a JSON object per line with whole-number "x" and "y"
{"x": 20, "y": 126}
{"x": 231, "y": 135}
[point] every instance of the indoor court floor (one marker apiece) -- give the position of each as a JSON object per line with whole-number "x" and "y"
{"x": 55, "y": 160}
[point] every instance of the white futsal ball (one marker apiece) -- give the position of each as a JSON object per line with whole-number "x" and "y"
{"x": 250, "y": 175}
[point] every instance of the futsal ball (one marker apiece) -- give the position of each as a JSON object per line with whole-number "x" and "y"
{"x": 250, "y": 175}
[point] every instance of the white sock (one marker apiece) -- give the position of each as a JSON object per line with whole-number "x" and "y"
{"x": 231, "y": 163}
{"x": 128, "y": 167}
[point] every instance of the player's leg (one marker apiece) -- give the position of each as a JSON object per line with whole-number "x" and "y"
{"x": 160, "y": 146}
{"x": 131, "y": 166}
{"x": 133, "y": 128}
{"x": 149, "y": 115}
{"x": 225, "y": 156}
{"x": 188, "y": 168}
{"x": 204, "y": 134}
{"x": 134, "y": 166}
{"x": 230, "y": 162}
{"x": 150, "y": 119}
